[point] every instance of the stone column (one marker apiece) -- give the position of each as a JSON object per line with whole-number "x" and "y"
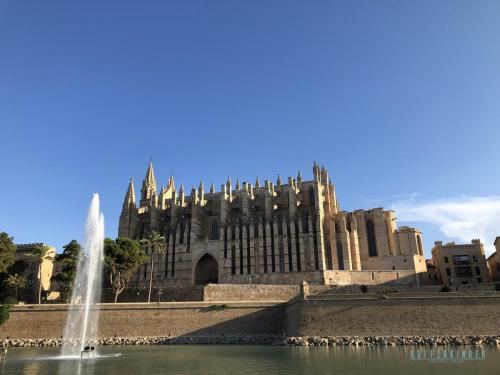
{"x": 237, "y": 250}
{"x": 261, "y": 248}
{"x": 276, "y": 246}
{"x": 268, "y": 246}
{"x": 294, "y": 244}
{"x": 253, "y": 250}
{"x": 284, "y": 240}
{"x": 244, "y": 241}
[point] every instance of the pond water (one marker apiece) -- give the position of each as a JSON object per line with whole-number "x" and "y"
{"x": 258, "y": 360}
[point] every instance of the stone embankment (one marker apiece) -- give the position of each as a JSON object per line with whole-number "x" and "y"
{"x": 274, "y": 340}
{"x": 392, "y": 340}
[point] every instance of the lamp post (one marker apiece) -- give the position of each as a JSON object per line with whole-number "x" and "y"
{"x": 160, "y": 292}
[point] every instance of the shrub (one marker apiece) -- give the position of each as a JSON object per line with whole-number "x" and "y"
{"x": 497, "y": 287}
{"x": 4, "y": 313}
{"x": 445, "y": 289}
{"x": 9, "y": 300}
{"x": 219, "y": 307}
{"x": 363, "y": 288}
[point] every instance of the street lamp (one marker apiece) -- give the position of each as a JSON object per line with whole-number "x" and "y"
{"x": 160, "y": 292}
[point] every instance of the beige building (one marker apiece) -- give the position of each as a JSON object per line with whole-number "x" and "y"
{"x": 432, "y": 276}
{"x": 494, "y": 261}
{"x": 31, "y": 274}
{"x": 267, "y": 233}
{"x": 460, "y": 263}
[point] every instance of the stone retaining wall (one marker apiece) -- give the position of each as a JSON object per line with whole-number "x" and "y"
{"x": 369, "y": 315}
{"x": 165, "y": 319}
{"x": 255, "y": 292}
{"x": 393, "y": 315}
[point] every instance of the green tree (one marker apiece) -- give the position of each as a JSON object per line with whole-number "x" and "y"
{"x": 4, "y": 313}
{"x": 15, "y": 282}
{"x": 69, "y": 262}
{"x": 19, "y": 266}
{"x": 7, "y": 251}
{"x": 41, "y": 254}
{"x": 156, "y": 244}
{"x": 122, "y": 258}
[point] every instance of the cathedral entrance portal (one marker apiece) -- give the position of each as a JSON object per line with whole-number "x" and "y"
{"x": 206, "y": 271}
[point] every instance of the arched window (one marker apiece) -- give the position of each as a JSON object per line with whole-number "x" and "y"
{"x": 215, "y": 231}
{"x": 370, "y": 234}
{"x": 340, "y": 255}
{"x": 329, "y": 263}
{"x": 311, "y": 196}
{"x": 337, "y": 227}
{"x": 30, "y": 281}
{"x": 419, "y": 245}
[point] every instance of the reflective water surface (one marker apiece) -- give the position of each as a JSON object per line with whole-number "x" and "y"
{"x": 261, "y": 360}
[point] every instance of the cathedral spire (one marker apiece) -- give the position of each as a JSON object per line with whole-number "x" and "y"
{"x": 316, "y": 172}
{"x": 148, "y": 185}
{"x": 238, "y": 184}
{"x": 171, "y": 183}
{"x": 279, "y": 182}
{"x": 201, "y": 191}
{"x": 299, "y": 177}
{"x": 212, "y": 188}
{"x": 129, "y": 196}
{"x": 257, "y": 183}
{"x": 150, "y": 174}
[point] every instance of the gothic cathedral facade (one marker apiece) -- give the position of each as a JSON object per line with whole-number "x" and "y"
{"x": 279, "y": 233}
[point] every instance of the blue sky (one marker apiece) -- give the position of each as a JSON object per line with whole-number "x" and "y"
{"x": 400, "y": 100}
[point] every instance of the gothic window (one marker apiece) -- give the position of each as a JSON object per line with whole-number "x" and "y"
{"x": 215, "y": 231}
{"x": 305, "y": 226}
{"x": 282, "y": 258}
{"x": 311, "y": 196}
{"x": 173, "y": 258}
{"x": 329, "y": 263}
{"x": 315, "y": 243}
{"x": 289, "y": 243}
{"x": 249, "y": 265}
{"x": 419, "y": 245}
{"x": 225, "y": 231}
{"x": 337, "y": 227}
{"x": 340, "y": 255}
{"x": 264, "y": 247}
{"x": 30, "y": 281}
{"x": 370, "y": 232}
{"x": 297, "y": 246}
{"x": 241, "y": 248}
{"x": 273, "y": 254}
{"x": 233, "y": 260}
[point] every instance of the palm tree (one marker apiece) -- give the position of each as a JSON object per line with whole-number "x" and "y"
{"x": 155, "y": 243}
{"x": 41, "y": 254}
{"x": 16, "y": 281}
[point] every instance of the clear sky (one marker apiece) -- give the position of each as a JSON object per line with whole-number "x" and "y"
{"x": 400, "y": 100}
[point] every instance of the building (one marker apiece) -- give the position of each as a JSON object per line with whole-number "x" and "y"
{"x": 432, "y": 277}
{"x": 32, "y": 273}
{"x": 268, "y": 233}
{"x": 494, "y": 261}
{"x": 460, "y": 264}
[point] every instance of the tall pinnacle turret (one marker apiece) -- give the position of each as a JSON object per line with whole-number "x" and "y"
{"x": 148, "y": 185}
{"x": 129, "y": 200}
{"x": 257, "y": 183}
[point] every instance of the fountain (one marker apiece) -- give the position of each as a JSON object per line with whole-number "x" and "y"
{"x": 83, "y": 315}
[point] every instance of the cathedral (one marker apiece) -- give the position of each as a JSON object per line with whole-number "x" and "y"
{"x": 271, "y": 233}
